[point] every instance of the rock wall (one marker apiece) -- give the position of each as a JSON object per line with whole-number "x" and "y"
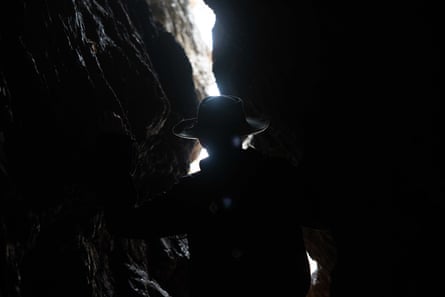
{"x": 63, "y": 64}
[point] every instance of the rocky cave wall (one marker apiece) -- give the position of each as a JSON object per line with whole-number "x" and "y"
{"x": 62, "y": 65}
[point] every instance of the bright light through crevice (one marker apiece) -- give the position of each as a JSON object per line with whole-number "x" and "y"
{"x": 313, "y": 265}
{"x": 194, "y": 166}
{"x": 204, "y": 19}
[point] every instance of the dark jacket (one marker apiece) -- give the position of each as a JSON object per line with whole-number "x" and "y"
{"x": 243, "y": 218}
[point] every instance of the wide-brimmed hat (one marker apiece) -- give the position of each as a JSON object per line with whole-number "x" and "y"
{"x": 220, "y": 114}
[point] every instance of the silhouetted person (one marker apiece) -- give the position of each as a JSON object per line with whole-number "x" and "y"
{"x": 242, "y": 212}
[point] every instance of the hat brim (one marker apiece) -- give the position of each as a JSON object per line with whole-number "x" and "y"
{"x": 190, "y": 129}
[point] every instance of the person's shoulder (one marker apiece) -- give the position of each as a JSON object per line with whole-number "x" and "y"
{"x": 270, "y": 160}
{"x": 189, "y": 180}
{"x": 273, "y": 166}
{"x": 180, "y": 190}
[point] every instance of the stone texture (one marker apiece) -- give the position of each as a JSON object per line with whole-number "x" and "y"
{"x": 177, "y": 18}
{"x": 62, "y": 65}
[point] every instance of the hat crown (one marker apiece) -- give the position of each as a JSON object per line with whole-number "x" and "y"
{"x": 221, "y": 111}
{"x": 223, "y": 114}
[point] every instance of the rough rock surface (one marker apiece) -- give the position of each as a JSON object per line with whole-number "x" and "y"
{"x": 63, "y": 64}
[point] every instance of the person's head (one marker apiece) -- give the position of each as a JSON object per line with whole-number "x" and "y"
{"x": 221, "y": 124}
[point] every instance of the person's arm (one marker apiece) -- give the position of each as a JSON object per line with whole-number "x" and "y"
{"x": 158, "y": 218}
{"x": 165, "y": 216}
